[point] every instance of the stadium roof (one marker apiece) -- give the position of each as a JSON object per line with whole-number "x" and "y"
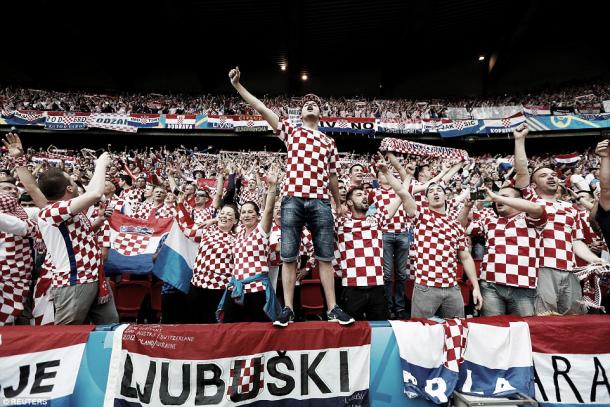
{"x": 347, "y": 47}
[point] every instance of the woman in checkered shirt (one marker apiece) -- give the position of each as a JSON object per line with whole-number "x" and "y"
{"x": 251, "y": 296}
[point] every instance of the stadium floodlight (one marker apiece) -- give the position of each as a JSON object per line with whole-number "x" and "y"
{"x": 481, "y": 57}
{"x": 283, "y": 67}
{"x": 304, "y": 77}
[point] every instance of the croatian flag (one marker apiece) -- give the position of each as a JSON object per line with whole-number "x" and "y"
{"x": 572, "y": 364}
{"x": 133, "y": 243}
{"x": 39, "y": 365}
{"x": 567, "y": 159}
{"x": 497, "y": 359}
{"x": 430, "y": 354}
{"x": 176, "y": 258}
{"x": 313, "y": 364}
{"x": 537, "y": 110}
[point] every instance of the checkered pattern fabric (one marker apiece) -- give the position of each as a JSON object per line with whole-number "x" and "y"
{"x": 246, "y": 371}
{"x": 248, "y": 195}
{"x": 130, "y": 244}
{"x": 251, "y": 257}
{"x": 148, "y": 210}
{"x": 200, "y": 215}
{"x": 425, "y": 150}
{"x": 381, "y": 199}
{"x": 438, "y": 240}
{"x": 16, "y": 265}
{"x": 361, "y": 247}
{"x": 563, "y": 226}
{"x": 80, "y": 242}
{"x": 214, "y": 262}
{"x": 131, "y": 195}
{"x": 512, "y": 250}
{"x": 455, "y": 343}
{"x": 312, "y": 158}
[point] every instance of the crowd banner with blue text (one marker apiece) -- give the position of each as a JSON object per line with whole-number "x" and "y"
{"x": 66, "y": 121}
{"x": 111, "y": 121}
{"x": 133, "y": 242}
{"x": 144, "y": 120}
{"x": 316, "y": 363}
{"x": 572, "y": 367}
{"x": 39, "y": 365}
{"x": 446, "y": 128}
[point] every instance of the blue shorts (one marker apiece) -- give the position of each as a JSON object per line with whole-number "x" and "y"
{"x": 314, "y": 213}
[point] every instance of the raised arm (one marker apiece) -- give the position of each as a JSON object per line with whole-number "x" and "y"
{"x": 15, "y": 150}
{"x": 399, "y": 168}
{"x": 95, "y": 189}
{"x": 250, "y": 99}
{"x": 452, "y": 171}
{"x": 603, "y": 151}
{"x": 522, "y": 175}
{"x": 401, "y": 190}
{"x": 267, "y": 218}
{"x": 532, "y": 209}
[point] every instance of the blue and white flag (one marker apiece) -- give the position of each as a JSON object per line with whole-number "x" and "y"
{"x": 174, "y": 264}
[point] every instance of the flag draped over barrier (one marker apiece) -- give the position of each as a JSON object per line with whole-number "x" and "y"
{"x": 316, "y": 363}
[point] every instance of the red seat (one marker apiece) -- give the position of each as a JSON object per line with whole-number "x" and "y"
{"x": 312, "y": 300}
{"x": 112, "y": 285}
{"x": 129, "y": 298}
{"x": 155, "y": 297}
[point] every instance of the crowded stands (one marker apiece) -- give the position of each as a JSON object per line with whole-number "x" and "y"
{"x": 285, "y": 236}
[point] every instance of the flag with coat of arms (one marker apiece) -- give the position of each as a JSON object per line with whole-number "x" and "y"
{"x": 133, "y": 242}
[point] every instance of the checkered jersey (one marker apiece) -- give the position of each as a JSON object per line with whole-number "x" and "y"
{"x": 147, "y": 210}
{"x": 361, "y": 246}
{"x": 200, "y": 214}
{"x": 214, "y": 262}
{"x": 16, "y": 263}
{"x": 381, "y": 199}
{"x": 250, "y": 256}
{"x": 438, "y": 240}
{"x": 562, "y": 227}
{"x": 512, "y": 249}
{"x": 71, "y": 244}
{"x": 312, "y": 157}
{"x": 131, "y": 195}
{"x": 248, "y": 195}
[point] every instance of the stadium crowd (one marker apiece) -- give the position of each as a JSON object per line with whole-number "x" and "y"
{"x": 586, "y": 98}
{"x": 524, "y": 235}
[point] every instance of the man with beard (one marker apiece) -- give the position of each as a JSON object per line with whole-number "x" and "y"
{"x": 312, "y": 170}
{"x": 559, "y": 289}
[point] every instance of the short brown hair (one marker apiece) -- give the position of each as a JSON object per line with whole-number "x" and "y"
{"x": 53, "y": 183}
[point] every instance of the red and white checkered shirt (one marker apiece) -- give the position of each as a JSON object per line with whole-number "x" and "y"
{"x": 400, "y": 222}
{"x": 563, "y": 226}
{"x": 199, "y": 214}
{"x": 147, "y": 210}
{"x": 251, "y": 256}
{"x": 512, "y": 249}
{"x": 213, "y": 266}
{"x": 438, "y": 238}
{"x": 312, "y": 158}
{"x": 361, "y": 246}
{"x": 16, "y": 263}
{"x": 131, "y": 195}
{"x": 71, "y": 244}
{"x": 248, "y": 195}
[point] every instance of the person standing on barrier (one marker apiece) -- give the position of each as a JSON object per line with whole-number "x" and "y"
{"x": 509, "y": 271}
{"x": 559, "y": 290}
{"x": 312, "y": 169}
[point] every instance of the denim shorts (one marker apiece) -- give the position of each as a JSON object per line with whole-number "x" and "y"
{"x": 314, "y": 213}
